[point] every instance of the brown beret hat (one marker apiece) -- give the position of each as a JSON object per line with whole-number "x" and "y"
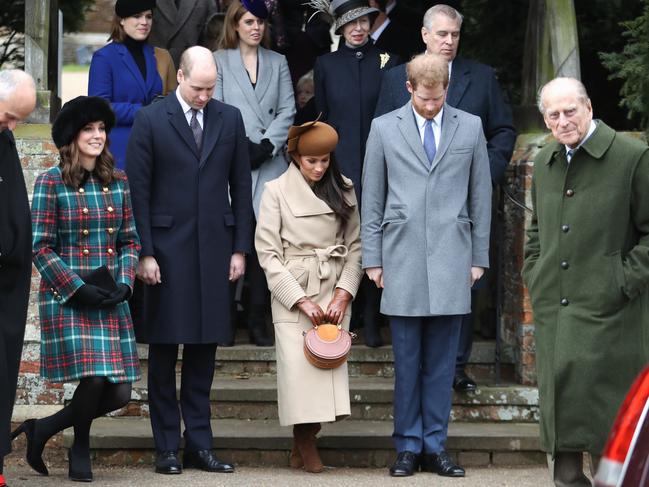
{"x": 312, "y": 139}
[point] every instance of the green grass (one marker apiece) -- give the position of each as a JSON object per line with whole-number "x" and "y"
{"x": 75, "y": 68}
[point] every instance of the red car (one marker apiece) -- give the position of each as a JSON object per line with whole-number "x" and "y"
{"x": 625, "y": 462}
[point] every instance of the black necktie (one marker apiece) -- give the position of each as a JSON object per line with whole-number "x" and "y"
{"x": 197, "y": 131}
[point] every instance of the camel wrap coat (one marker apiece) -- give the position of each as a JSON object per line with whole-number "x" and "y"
{"x": 306, "y": 250}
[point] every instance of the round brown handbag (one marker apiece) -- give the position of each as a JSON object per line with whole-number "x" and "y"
{"x": 327, "y": 346}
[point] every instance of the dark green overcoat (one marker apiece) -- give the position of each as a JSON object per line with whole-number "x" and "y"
{"x": 587, "y": 270}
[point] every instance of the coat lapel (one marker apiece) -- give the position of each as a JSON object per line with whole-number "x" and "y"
{"x": 151, "y": 69}
{"x": 179, "y": 122}
{"x": 449, "y": 126}
{"x": 264, "y": 75}
{"x": 299, "y": 196}
{"x": 212, "y": 125}
{"x": 167, "y": 8}
{"x": 242, "y": 79}
{"x": 460, "y": 80}
{"x": 184, "y": 12}
{"x": 128, "y": 61}
{"x": 410, "y": 132}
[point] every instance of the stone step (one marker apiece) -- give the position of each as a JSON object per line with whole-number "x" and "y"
{"x": 349, "y": 443}
{"x": 371, "y": 399}
{"x": 246, "y": 359}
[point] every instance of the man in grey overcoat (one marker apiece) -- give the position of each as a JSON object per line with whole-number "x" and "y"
{"x": 587, "y": 272}
{"x": 425, "y": 239}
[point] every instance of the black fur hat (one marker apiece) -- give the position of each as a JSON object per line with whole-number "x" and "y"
{"x": 78, "y": 112}
{"x": 128, "y": 8}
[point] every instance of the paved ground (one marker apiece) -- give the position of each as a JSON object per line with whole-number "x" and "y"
{"x": 262, "y": 477}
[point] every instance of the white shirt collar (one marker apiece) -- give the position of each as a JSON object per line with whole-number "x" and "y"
{"x": 591, "y": 129}
{"x": 437, "y": 125}
{"x": 377, "y": 33}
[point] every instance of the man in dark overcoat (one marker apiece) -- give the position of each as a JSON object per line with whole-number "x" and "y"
{"x": 187, "y": 162}
{"x": 17, "y": 101}
{"x": 587, "y": 270}
{"x": 473, "y": 88}
{"x": 178, "y": 25}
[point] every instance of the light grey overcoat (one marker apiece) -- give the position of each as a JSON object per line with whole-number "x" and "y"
{"x": 268, "y": 109}
{"x": 426, "y": 224}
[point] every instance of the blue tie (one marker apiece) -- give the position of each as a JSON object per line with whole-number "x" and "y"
{"x": 429, "y": 141}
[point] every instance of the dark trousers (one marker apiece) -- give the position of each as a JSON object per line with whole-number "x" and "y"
{"x": 465, "y": 343}
{"x": 11, "y": 345}
{"x": 196, "y": 381}
{"x": 424, "y": 364}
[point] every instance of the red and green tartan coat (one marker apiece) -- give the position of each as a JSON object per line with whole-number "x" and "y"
{"x": 74, "y": 232}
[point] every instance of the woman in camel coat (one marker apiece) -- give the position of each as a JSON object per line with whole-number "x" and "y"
{"x": 308, "y": 244}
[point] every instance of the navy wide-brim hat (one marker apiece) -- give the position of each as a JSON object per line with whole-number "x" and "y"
{"x": 256, "y": 8}
{"x": 76, "y": 114}
{"x": 346, "y": 11}
{"x": 128, "y": 8}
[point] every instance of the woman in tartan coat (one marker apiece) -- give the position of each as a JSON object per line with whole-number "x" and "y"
{"x": 82, "y": 219}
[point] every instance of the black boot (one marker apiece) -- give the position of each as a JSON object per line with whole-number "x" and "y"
{"x": 257, "y": 327}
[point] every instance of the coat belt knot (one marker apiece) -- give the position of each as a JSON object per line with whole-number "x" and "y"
{"x": 317, "y": 269}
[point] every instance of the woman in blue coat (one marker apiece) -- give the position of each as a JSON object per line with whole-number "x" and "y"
{"x": 126, "y": 72}
{"x": 86, "y": 249}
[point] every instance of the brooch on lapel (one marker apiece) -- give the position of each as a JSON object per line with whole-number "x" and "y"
{"x": 385, "y": 57}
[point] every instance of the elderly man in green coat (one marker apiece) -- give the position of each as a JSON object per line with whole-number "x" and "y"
{"x": 587, "y": 270}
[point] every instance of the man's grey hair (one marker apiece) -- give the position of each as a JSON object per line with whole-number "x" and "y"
{"x": 10, "y": 79}
{"x": 441, "y": 9}
{"x": 582, "y": 94}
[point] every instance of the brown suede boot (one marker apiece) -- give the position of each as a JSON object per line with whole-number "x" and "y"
{"x": 305, "y": 443}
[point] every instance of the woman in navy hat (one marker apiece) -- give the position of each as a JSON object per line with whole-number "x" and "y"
{"x": 129, "y": 72}
{"x": 85, "y": 247}
{"x": 347, "y": 83}
{"x": 257, "y": 81}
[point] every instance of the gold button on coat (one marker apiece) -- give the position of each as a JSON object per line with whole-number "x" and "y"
{"x": 104, "y": 189}
{"x": 86, "y": 251}
{"x": 110, "y": 209}
{"x": 111, "y": 230}
{"x": 110, "y": 251}
{"x": 85, "y": 211}
{"x": 86, "y": 231}
{"x": 81, "y": 190}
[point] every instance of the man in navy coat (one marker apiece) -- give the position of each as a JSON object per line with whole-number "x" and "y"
{"x": 473, "y": 87}
{"x": 187, "y": 162}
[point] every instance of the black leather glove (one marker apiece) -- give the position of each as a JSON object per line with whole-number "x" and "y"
{"x": 89, "y": 295}
{"x": 122, "y": 293}
{"x": 259, "y": 152}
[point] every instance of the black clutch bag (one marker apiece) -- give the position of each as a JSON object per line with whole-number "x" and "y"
{"x": 102, "y": 278}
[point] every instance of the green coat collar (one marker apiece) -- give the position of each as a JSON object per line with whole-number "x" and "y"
{"x": 596, "y": 146}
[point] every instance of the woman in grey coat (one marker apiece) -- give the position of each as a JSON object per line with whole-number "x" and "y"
{"x": 257, "y": 81}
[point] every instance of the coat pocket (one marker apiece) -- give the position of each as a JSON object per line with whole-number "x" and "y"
{"x": 162, "y": 221}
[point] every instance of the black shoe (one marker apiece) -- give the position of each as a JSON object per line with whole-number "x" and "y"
{"x": 406, "y": 464}
{"x": 34, "y": 453}
{"x": 257, "y": 327}
{"x": 167, "y": 463}
{"x": 463, "y": 383}
{"x": 79, "y": 467}
{"x": 205, "y": 460}
{"x": 441, "y": 464}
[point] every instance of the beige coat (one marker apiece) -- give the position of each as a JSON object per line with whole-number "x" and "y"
{"x": 304, "y": 249}
{"x": 166, "y": 70}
